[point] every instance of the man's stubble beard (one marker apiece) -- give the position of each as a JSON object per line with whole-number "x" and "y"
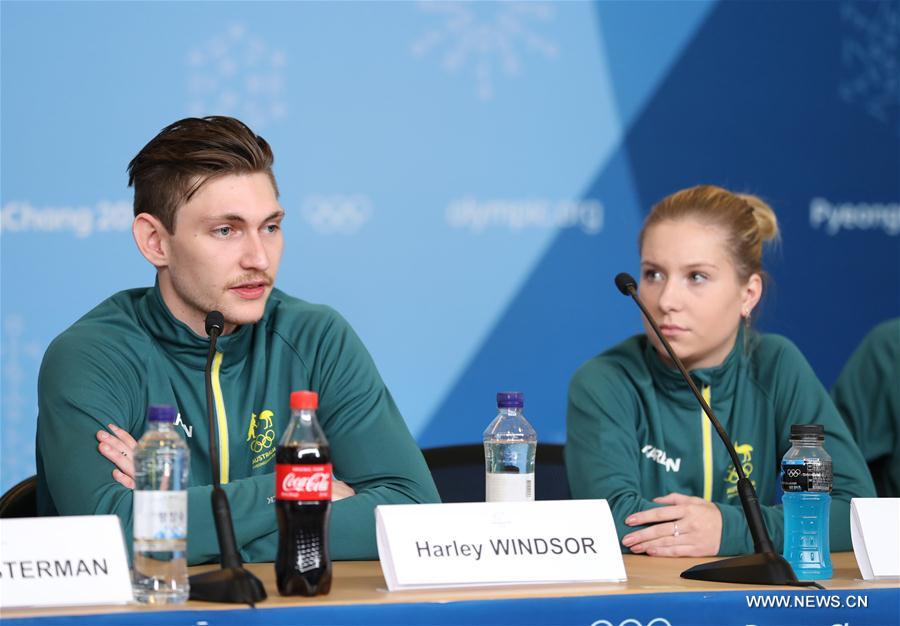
{"x": 201, "y": 305}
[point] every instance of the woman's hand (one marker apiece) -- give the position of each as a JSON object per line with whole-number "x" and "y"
{"x": 118, "y": 446}
{"x": 686, "y": 526}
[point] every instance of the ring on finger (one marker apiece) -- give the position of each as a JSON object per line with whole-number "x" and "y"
{"x": 676, "y": 532}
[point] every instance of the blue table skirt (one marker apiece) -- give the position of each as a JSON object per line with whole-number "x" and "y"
{"x": 866, "y": 607}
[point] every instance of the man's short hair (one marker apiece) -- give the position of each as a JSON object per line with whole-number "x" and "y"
{"x": 175, "y": 164}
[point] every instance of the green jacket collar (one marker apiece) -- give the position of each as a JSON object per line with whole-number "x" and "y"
{"x": 182, "y": 344}
{"x": 721, "y": 378}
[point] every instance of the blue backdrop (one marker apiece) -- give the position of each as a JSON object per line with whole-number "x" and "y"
{"x": 462, "y": 180}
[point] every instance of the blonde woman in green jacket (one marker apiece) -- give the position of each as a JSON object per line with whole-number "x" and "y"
{"x": 636, "y": 435}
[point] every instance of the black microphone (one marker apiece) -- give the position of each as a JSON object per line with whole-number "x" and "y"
{"x": 232, "y": 583}
{"x": 215, "y": 322}
{"x": 765, "y": 566}
{"x": 624, "y": 281}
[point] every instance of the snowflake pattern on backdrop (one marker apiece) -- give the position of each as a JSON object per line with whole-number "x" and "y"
{"x": 870, "y": 59}
{"x": 485, "y": 36}
{"x": 21, "y": 357}
{"x": 237, "y": 73}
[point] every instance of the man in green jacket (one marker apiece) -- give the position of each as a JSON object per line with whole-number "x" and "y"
{"x": 207, "y": 218}
{"x": 867, "y": 394}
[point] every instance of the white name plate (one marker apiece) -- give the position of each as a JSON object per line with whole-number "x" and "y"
{"x": 497, "y": 543}
{"x": 58, "y": 561}
{"x": 875, "y": 531}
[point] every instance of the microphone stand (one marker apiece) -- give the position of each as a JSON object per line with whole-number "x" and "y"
{"x": 764, "y": 566}
{"x": 232, "y": 583}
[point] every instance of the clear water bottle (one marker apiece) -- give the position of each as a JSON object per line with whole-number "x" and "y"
{"x": 806, "y": 479}
{"x": 509, "y": 448}
{"x": 161, "y": 465}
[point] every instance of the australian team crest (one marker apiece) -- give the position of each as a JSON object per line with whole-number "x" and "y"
{"x": 261, "y": 438}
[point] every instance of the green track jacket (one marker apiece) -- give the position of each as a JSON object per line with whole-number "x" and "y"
{"x": 130, "y": 352}
{"x": 867, "y": 393}
{"x": 636, "y": 432}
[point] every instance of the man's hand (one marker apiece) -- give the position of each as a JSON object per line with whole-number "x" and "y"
{"x": 687, "y": 526}
{"x": 340, "y": 490}
{"x": 118, "y": 446}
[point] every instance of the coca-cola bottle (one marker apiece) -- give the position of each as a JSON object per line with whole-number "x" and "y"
{"x": 303, "y": 502}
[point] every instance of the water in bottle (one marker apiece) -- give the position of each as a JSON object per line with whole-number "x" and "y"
{"x": 303, "y": 502}
{"x": 806, "y": 477}
{"x": 509, "y": 449}
{"x": 161, "y": 465}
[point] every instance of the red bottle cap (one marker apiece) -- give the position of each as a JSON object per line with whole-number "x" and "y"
{"x": 304, "y": 400}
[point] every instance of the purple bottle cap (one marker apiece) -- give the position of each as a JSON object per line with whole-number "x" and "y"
{"x": 510, "y": 400}
{"x": 161, "y": 413}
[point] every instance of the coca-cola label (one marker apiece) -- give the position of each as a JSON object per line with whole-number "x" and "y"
{"x": 303, "y": 482}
